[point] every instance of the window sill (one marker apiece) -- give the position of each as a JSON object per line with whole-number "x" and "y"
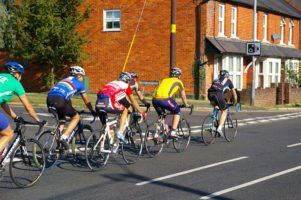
{"x": 221, "y": 35}
{"x": 234, "y": 37}
{"x": 113, "y": 30}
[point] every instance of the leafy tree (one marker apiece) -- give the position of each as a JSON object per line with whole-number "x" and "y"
{"x": 3, "y": 24}
{"x": 45, "y": 32}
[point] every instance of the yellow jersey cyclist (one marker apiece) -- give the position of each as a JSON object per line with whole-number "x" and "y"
{"x": 163, "y": 100}
{"x": 216, "y": 96}
{"x": 9, "y": 86}
{"x": 60, "y": 96}
{"x": 135, "y": 87}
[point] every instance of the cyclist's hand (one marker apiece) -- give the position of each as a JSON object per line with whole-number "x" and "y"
{"x": 18, "y": 119}
{"x": 147, "y": 104}
{"x": 94, "y": 113}
{"x": 144, "y": 114}
{"x": 42, "y": 123}
{"x": 187, "y": 105}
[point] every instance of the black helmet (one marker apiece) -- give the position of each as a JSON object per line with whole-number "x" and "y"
{"x": 224, "y": 73}
{"x": 125, "y": 77}
{"x": 176, "y": 72}
{"x": 133, "y": 75}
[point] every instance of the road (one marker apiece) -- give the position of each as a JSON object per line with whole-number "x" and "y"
{"x": 262, "y": 163}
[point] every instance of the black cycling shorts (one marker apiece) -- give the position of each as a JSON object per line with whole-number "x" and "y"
{"x": 63, "y": 107}
{"x": 217, "y": 99}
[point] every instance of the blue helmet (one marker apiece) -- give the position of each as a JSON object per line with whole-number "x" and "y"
{"x": 13, "y": 67}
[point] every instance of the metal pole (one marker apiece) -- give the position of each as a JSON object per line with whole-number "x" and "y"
{"x": 253, "y": 57}
{"x": 173, "y": 35}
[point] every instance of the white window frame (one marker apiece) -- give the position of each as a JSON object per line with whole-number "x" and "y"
{"x": 275, "y": 74}
{"x": 234, "y": 72}
{"x": 295, "y": 67}
{"x": 106, "y": 20}
{"x": 291, "y": 31}
{"x": 265, "y": 27}
{"x": 221, "y": 20}
{"x": 282, "y": 30}
{"x": 234, "y": 22}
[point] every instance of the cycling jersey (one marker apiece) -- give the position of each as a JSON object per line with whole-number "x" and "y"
{"x": 168, "y": 87}
{"x": 221, "y": 85}
{"x": 9, "y": 86}
{"x": 113, "y": 94}
{"x": 68, "y": 87}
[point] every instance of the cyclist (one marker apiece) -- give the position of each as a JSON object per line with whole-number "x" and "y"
{"x": 163, "y": 97}
{"x": 60, "y": 95}
{"x": 113, "y": 99}
{"x": 216, "y": 96}
{"x": 135, "y": 87}
{"x": 10, "y": 85}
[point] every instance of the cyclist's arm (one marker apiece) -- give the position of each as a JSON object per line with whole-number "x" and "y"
{"x": 29, "y": 107}
{"x": 134, "y": 103}
{"x": 234, "y": 95}
{"x": 184, "y": 99}
{"x": 141, "y": 97}
{"x": 8, "y": 110}
{"x": 87, "y": 102}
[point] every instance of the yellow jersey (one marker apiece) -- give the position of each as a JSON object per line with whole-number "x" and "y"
{"x": 168, "y": 87}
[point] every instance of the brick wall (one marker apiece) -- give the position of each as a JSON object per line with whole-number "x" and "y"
{"x": 263, "y": 97}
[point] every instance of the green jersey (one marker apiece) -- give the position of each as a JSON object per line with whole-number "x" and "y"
{"x": 9, "y": 86}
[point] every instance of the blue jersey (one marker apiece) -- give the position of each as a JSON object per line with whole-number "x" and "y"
{"x": 221, "y": 85}
{"x": 68, "y": 87}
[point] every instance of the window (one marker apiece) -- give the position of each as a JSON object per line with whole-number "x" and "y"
{"x": 291, "y": 32}
{"x": 273, "y": 72}
{"x": 265, "y": 27}
{"x": 221, "y": 20}
{"x": 292, "y": 71}
{"x": 234, "y": 21}
{"x": 282, "y": 25}
{"x": 111, "y": 20}
{"x": 260, "y": 76}
{"x": 234, "y": 64}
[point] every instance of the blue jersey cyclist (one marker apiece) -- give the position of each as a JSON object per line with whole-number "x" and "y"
{"x": 216, "y": 96}
{"x": 9, "y": 86}
{"x": 60, "y": 95}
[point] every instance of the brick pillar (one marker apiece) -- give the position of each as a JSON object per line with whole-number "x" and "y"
{"x": 280, "y": 94}
{"x": 287, "y": 92}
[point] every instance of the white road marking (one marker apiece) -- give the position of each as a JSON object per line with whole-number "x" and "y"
{"x": 293, "y": 145}
{"x": 251, "y": 183}
{"x": 190, "y": 171}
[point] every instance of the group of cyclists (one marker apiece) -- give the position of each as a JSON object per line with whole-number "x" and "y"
{"x": 115, "y": 97}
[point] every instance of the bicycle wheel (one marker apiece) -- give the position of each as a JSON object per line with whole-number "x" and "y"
{"x": 78, "y": 143}
{"x": 209, "y": 130}
{"x": 153, "y": 142}
{"x": 50, "y": 143}
{"x": 27, "y": 163}
{"x": 183, "y": 136}
{"x": 95, "y": 158}
{"x": 230, "y": 128}
{"x": 131, "y": 151}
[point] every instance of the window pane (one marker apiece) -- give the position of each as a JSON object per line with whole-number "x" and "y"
{"x": 221, "y": 9}
{"x": 230, "y": 63}
{"x": 109, "y": 25}
{"x": 116, "y": 24}
{"x": 231, "y": 77}
{"x": 276, "y": 79}
{"x": 220, "y": 26}
{"x": 117, "y": 14}
{"x": 109, "y": 14}
{"x": 238, "y": 67}
{"x": 270, "y": 81}
{"x": 238, "y": 81}
{"x": 277, "y": 68}
{"x": 270, "y": 67}
{"x": 261, "y": 67}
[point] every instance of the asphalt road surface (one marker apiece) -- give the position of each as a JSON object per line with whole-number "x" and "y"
{"x": 262, "y": 163}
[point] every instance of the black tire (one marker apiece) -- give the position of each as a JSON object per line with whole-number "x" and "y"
{"x": 230, "y": 128}
{"x": 154, "y": 145}
{"x": 209, "y": 130}
{"x": 78, "y": 143}
{"x": 27, "y": 163}
{"x": 131, "y": 151}
{"x": 183, "y": 136}
{"x": 50, "y": 143}
{"x": 96, "y": 159}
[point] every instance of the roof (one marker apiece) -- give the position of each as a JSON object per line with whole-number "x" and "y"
{"x": 234, "y": 46}
{"x": 277, "y": 6}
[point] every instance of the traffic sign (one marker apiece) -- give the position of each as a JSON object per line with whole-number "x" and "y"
{"x": 253, "y": 48}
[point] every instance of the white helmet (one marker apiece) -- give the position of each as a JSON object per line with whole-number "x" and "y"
{"x": 77, "y": 70}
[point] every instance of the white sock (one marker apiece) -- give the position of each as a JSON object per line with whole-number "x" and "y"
{"x": 220, "y": 128}
{"x": 64, "y": 137}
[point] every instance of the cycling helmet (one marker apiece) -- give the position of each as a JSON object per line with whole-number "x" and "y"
{"x": 224, "y": 73}
{"x": 133, "y": 75}
{"x": 125, "y": 77}
{"x": 77, "y": 70}
{"x": 13, "y": 67}
{"x": 176, "y": 72}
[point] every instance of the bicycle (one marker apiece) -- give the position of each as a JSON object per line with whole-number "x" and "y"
{"x": 211, "y": 122}
{"x": 157, "y": 134}
{"x": 101, "y": 144}
{"x": 25, "y": 156}
{"x": 53, "y": 147}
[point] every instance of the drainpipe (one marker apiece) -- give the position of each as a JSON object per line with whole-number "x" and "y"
{"x": 173, "y": 35}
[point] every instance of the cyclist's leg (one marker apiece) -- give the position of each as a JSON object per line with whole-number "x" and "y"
{"x": 124, "y": 106}
{"x": 75, "y": 117}
{"x": 6, "y": 133}
{"x": 223, "y": 108}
